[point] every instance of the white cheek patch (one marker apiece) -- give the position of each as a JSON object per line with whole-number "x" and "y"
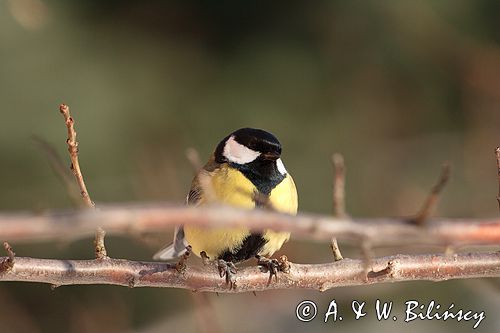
{"x": 280, "y": 166}
{"x": 238, "y": 153}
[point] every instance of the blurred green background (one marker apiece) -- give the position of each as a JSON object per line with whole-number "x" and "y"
{"x": 398, "y": 87}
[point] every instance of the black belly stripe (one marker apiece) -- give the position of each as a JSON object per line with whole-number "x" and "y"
{"x": 250, "y": 247}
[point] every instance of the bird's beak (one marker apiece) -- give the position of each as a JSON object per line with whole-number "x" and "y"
{"x": 271, "y": 156}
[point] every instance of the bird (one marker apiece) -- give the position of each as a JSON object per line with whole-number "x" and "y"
{"x": 244, "y": 171}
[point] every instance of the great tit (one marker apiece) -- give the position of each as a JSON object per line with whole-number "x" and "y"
{"x": 245, "y": 165}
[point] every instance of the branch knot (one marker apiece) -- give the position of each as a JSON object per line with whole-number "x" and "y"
{"x": 8, "y": 262}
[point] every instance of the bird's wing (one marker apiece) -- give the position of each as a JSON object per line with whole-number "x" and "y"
{"x": 178, "y": 246}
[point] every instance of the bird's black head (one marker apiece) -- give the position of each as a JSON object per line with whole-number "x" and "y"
{"x": 247, "y": 145}
{"x": 256, "y": 154}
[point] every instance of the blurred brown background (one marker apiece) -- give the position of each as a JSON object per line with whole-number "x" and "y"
{"x": 397, "y": 87}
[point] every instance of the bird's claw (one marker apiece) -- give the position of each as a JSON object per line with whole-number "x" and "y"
{"x": 180, "y": 266}
{"x": 269, "y": 265}
{"x": 227, "y": 269}
{"x": 204, "y": 258}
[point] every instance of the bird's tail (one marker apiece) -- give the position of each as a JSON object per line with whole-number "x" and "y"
{"x": 174, "y": 250}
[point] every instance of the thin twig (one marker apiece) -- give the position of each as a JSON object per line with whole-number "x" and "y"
{"x": 261, "y": 200}
{"x": 73, "y": 153}
{"x": 431, "y": 201}
{"x": 194, "y": 159}
{"x": 206, "y": 313}
{"x": 338, "y": 201}
{"x": 450, "y": 250}
{"x": 368, "y": 254}
{"x": 100, "y": 248}
{"x": 347, "y": 272}
{"x": 337, "y": 255}
{"x": 140, "y": 218}
{"x": 497, "y": 153}
{"x": 60, "y": 170}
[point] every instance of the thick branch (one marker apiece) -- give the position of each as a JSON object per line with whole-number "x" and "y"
{"x": 123, "y": 219}
{"x": 347, "y": 272}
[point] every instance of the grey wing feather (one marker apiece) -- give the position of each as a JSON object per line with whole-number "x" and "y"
{"x": 178, "y": 247}
{"x": 174, "y": 250}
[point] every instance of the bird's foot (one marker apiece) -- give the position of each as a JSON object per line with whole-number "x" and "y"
{"x": 273, "y": 266}
{"x": 228, "y": 270}
{"x": 180, "y": 266}
{"x": 284, "y": 264}
{"x": 268, "y": 265}
{"x": 204, "y": 258}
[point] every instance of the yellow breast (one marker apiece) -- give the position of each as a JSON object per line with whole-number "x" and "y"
{"x": 229, "y": 186}
{"x": 284, "y": 199}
